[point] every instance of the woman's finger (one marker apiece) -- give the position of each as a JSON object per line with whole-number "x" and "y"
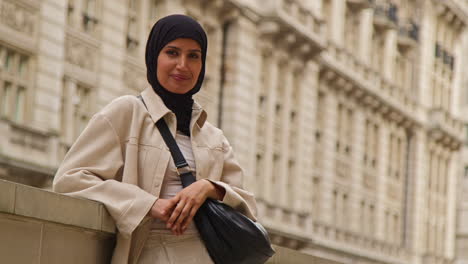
{"x": 182, "y": 217}
{"x": 175, "y": 214}
{"x": 189, "y": 219}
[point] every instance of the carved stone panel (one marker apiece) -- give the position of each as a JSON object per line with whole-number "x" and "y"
{"x": 81, "y": 54}
{"x": 17, "y": 17}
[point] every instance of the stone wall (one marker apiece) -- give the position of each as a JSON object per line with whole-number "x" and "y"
{"x": 42, "y": 227}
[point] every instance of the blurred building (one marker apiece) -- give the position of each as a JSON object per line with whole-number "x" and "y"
{"x": 462, "y": 215}
{"x": 344, "y": 113}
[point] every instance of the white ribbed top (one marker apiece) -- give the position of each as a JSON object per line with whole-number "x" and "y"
{"x": 171, "y": 184}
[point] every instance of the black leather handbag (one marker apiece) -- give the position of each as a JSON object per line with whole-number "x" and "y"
{"x": 229, "y": 236}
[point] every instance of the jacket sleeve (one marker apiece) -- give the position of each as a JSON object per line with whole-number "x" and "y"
{"x": 92, "y": 169}
{"x": 231, "y": 179}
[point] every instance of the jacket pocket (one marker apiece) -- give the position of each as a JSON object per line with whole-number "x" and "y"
{"x": 148, "y": 160}
{"x": 213, "y": 163}
{"x": 140, "y": 164}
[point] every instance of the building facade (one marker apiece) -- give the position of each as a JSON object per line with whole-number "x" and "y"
{"x": 345, "y": 114}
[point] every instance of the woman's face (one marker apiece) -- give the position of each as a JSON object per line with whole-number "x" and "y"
{"x": 179, "y": 65}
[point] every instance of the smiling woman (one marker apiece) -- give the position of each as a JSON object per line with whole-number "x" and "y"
{"x": 121, "y": 161}
{"x": 179, "y": 65}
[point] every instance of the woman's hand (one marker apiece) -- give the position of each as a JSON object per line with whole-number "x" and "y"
{"x": 188, "y": 201}
{"x": 162, "y": 209}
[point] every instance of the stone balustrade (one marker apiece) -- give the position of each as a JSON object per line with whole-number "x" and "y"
{"x": 292, "y": 10}
{"x": 291, "y": 24}
{"x": 359, "y": 242}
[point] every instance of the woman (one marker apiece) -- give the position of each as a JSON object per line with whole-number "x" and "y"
{"x": 121, "y": 160}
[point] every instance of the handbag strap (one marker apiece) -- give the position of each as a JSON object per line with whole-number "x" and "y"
{"x": 182, "y": 168}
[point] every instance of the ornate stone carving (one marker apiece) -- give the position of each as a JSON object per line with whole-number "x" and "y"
{"x": 80, "y": 53}
{"x": 17, "y": 17}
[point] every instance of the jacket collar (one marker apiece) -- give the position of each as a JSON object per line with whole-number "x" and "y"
{"x": 157, "y": 109}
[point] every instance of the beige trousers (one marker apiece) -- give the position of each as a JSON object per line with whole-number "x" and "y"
{"x": 163, "y": 248}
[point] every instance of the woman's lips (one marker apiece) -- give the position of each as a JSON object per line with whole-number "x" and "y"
{"x": 180, "y": 77}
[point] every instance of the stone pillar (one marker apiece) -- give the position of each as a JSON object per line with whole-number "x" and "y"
{"x": 240, "y": 91}
{"x": 112, "y": 53}
{"x": 48, "y": 66}
{"x": 365, "y": 35}
{"x": 356, "y": 168}
{"x": 451, "y": 188}
{"x": 78, "y": 14}
{"x": 417, "y": 198}
{"x": 426, "y": 53}
{"x": 329, "y": 153}
{"x": 270, "y": 116}
{"x": 336, "y": 26}
{"x": 389, "y": 53}
{"x": 285, "y": 116}
{"x": 385, "y": 129}
{"x": 142, "y": 26}
{"x": 303, "y": 154}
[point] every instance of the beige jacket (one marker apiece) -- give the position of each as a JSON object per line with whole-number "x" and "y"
{"x": 120, "y": 160}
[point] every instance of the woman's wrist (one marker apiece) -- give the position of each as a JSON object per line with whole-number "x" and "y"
{"x": 214, "y": 191}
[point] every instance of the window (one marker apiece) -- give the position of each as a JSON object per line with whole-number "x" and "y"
{"x": 85, "y": 18}
{"x": 14, "y": 83}
{"x": 81, "y": 109}
{"x": 6, "y": 98}
{"x": 132, "y": 28}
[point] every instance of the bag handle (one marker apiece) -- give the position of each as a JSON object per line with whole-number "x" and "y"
{"x": 183, "y": 169}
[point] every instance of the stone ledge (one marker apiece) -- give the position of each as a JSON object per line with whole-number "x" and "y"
{"x": 45, "y": 205}
{"x": 286, "y": 255}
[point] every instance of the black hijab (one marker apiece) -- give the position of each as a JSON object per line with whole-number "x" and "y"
{"x": 164, "y": 31}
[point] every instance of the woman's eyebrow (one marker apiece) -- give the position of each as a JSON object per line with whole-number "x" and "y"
{"x": 177, "y": 48}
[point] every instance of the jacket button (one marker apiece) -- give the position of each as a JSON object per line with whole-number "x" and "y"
{"x": 156, "y": 184}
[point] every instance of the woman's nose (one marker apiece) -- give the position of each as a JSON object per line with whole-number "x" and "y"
{"x": 182, "y": 62}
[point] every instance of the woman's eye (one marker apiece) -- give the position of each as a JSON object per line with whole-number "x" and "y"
{"x": 171, "y": 52}
{"x": 194, "y": 55}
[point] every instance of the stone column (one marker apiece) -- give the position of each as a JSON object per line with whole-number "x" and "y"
{"x": 365, "y": 35}
{"x": 270, "y": 116}
{"x": 453, "y": 171}
{"x": 383, "y": 161}
{"x": 111, "y": 62}
{"x": 285, "y": 116}
{"x": 142, "y": 26}
{"x": 418, "y": 194}
{"x": 307, "y": 94}
{"x": 336, "y": 27}
{"x": 389, "y": 53}
{"x": 328, "y": 153}
{"x": 78, "y": 14}
{"x": 356, "y": 168}
{"x": 240, "y": 90}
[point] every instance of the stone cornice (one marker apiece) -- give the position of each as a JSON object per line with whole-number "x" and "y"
{"x": 366, "y": 94}
{"x": 296, "y": 29}
{"x": 445, "y": 129}
{"x": 454, "y": 11}
{"x": 391, "y": 104}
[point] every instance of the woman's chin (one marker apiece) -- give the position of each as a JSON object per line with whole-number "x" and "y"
{"x": 179, "y": 90}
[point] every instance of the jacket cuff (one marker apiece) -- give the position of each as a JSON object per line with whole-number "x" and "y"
{"x": 234, "y": 200}
{"x": 135, "y": 214}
